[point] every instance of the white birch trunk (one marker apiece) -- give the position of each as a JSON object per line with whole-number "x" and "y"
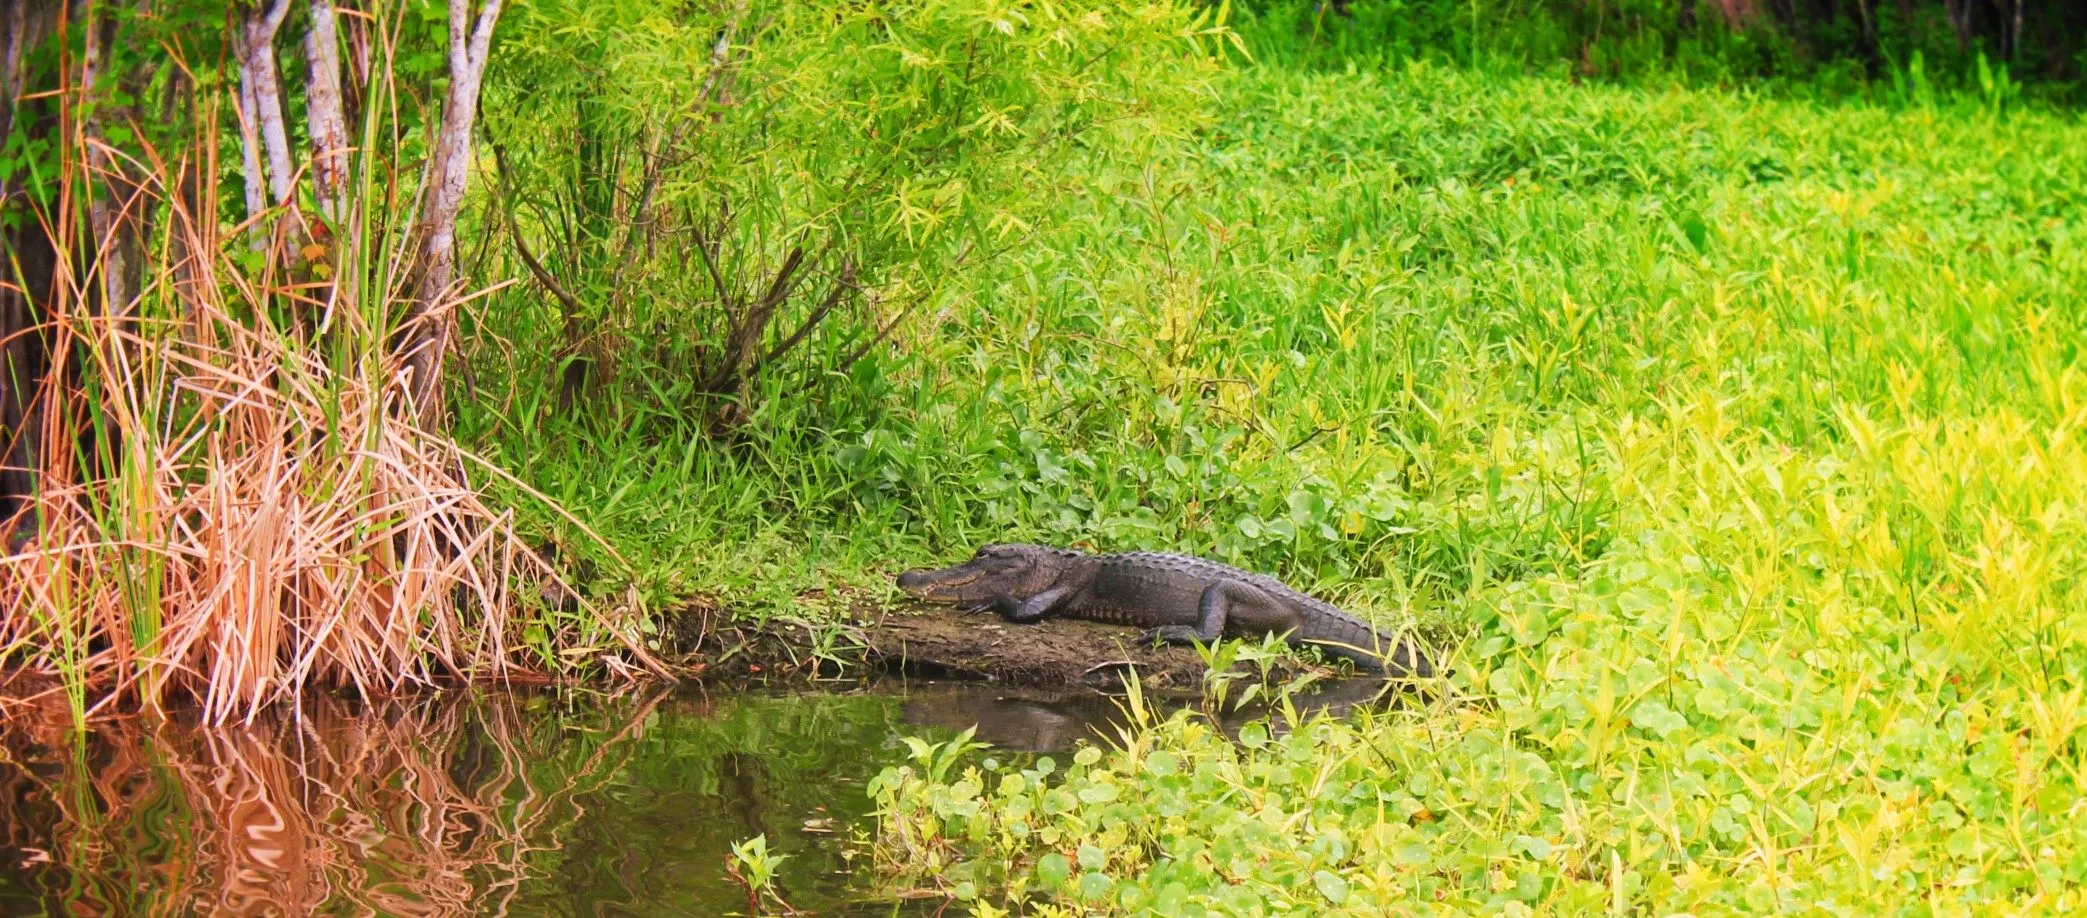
{"x": 448, "y": 169}
{"x": 261, "y": 116}
{"x": 250, "y": 165}
{"x": 268, "y": 96}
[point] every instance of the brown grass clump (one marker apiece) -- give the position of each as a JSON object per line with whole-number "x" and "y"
{"x": 232, "y": 501}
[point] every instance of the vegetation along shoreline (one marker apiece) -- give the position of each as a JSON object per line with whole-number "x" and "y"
{"x": 530, "y": 456}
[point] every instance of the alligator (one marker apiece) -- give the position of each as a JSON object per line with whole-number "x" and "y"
{"x": 1181, "y": 599}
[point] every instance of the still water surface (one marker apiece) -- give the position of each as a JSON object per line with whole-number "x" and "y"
{"x": 501, "y": 803}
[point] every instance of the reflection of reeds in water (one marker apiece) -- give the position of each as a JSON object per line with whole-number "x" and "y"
{"x": 431, "y": 808}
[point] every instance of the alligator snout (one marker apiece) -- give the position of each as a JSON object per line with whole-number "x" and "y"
{"x": 944, "y": 585}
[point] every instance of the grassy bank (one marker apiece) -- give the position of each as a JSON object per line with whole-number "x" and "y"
{"x": 1739, "y": 442}
{"x": 1376, "y": 331}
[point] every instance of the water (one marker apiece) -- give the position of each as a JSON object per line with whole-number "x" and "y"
{"x": 515, "y": 803}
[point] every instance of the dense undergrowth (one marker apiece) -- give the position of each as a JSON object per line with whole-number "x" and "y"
{"x": 1735, "y": 444}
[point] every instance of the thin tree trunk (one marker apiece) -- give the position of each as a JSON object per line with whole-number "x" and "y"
{"x": 250, "y": 167}
{"x": 30, "y": 271}
{"x": 450, "y": 167}
{"x": 327, "y": 119}
{"x": 1871, "y": 53}
{"x": 120, "y": 216}
{"x": 362, "y": 51}
{"x": 258, "y": 71}
{"x": 260, "y": 115}
{"x": 2001, "y": 23}
{"x": 101, "y": 208}
{"x": 2014, "y": 34}
{"x": 21, "y": 32}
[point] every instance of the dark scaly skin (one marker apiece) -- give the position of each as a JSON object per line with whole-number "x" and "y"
{"x": 1180, "y": 598}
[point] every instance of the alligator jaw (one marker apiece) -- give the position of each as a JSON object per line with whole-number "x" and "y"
{"x": 996, "y": 574}
{"x": 943, "y": 585}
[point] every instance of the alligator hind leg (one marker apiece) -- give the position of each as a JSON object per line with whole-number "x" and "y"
{"x": 1241, "y": 605}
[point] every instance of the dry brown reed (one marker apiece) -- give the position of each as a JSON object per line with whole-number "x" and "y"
{"x": 234, "y": 505}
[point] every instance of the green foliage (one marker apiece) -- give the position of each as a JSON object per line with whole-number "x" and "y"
{"x": 1731, "y": 442}
{"x": 755, "y": 867}
{"x": 898, "y": 147}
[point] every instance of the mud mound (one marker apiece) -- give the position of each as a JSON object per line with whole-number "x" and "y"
{"x": 943, "y": 643}
{"x": 940, "y": 643}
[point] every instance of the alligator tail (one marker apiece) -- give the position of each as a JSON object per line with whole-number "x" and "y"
{"x": 1369, "y": 649}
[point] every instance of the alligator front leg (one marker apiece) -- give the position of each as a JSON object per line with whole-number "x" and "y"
{"x": 1222, "y": 602}
{"x": 1035, "y": 608}
{"x": 1002, "y": 606}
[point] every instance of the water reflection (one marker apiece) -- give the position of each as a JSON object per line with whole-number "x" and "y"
{"x": 1044, "y": 720}
{"x": 528, "y": 803}
{"x": 523, "y": 804}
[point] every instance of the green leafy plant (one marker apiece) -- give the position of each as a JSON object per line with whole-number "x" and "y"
{"x": 754, "y": 867}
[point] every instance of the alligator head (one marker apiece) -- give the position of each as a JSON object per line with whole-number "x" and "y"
{"x": 1014, "y": 572}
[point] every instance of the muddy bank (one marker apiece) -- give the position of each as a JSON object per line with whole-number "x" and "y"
{"x": 943, "y": 643}
{"x": 936, "y": 642}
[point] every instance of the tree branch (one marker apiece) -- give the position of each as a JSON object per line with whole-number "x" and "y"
{"x": 841, "y": 288}
{"x": 714, "y": 82}
{"x": 878, "y": 338}
{"x": 749, "y": 323}
{"x": 705, "y": 248}
{"x": 543, "y": 275}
